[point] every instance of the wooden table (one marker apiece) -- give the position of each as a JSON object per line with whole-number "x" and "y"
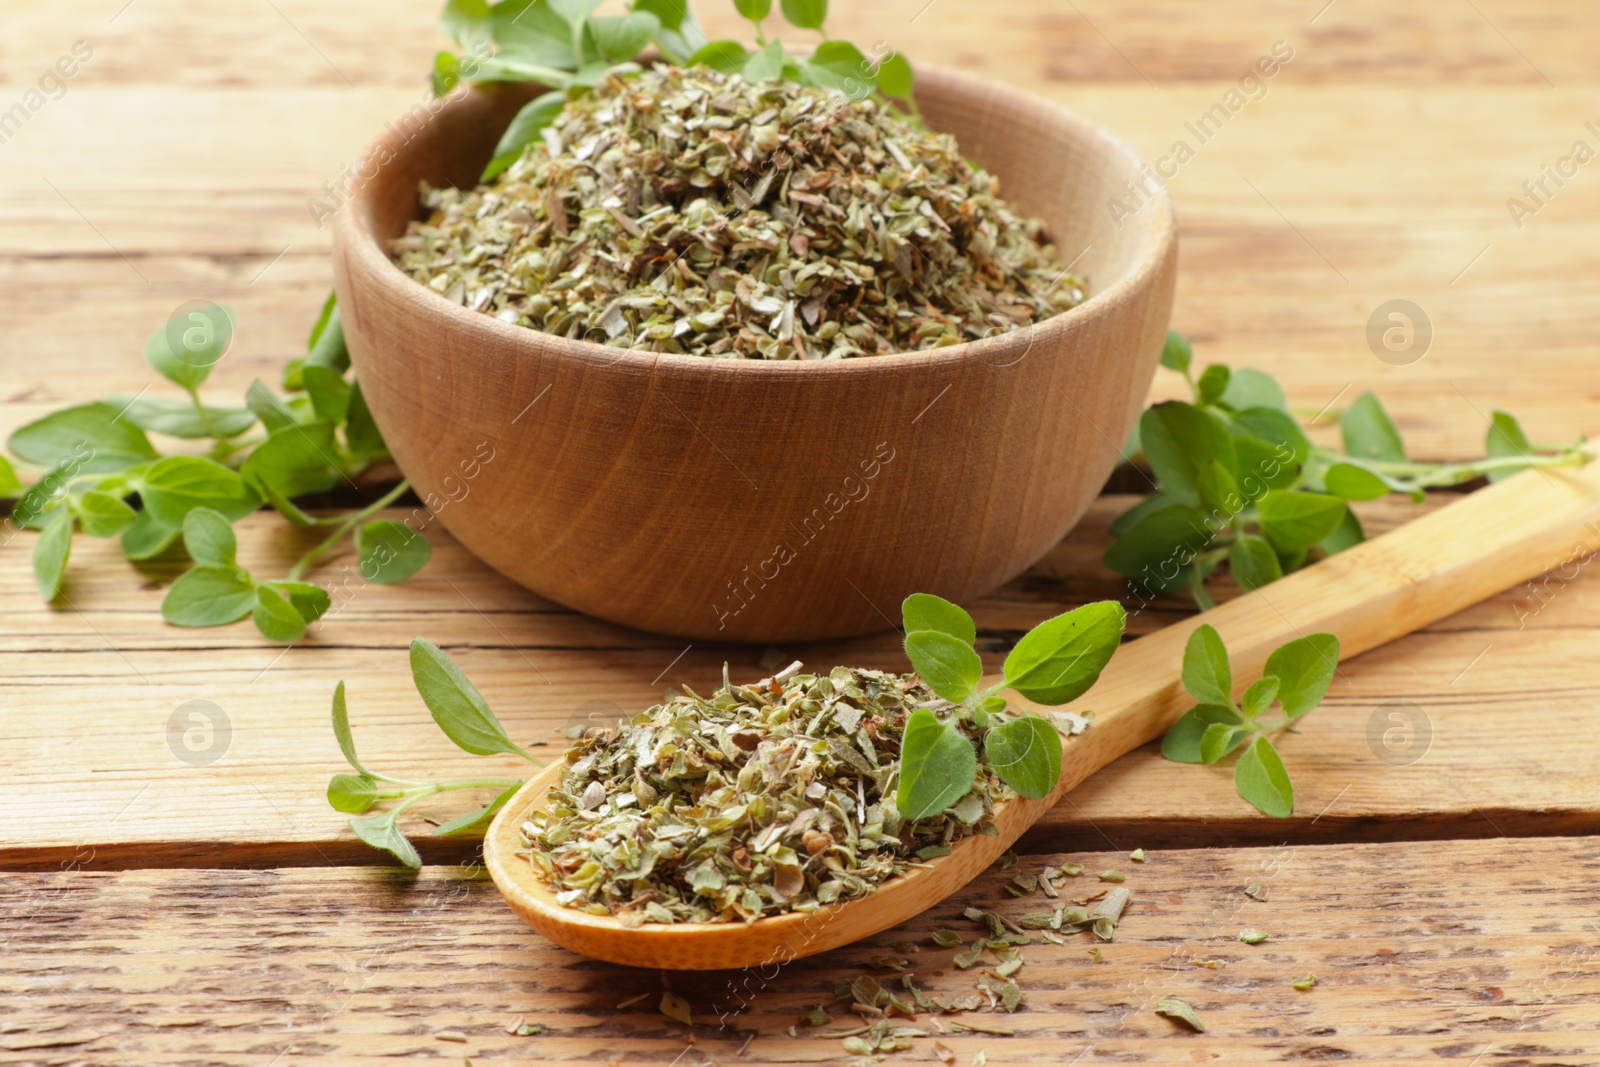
{"x": 1441, "y": 887}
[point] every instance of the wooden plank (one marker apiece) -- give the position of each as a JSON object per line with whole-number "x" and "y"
{"x": 87, "y": 691}
{"x": 1299, "y": 218}
{"x": 1453, "y": 952}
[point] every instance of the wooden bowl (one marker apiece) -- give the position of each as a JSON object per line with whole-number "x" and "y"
{"x": 766, "y": 501}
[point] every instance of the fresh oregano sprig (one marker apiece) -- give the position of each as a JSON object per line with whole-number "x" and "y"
{"x": 94, "y": 470}
{"x": 1239, "y": 482}
{"x": 563, "y": 45}
{"x": 1295, "y": 680}
{"x": 464, "y": 717}
{"x": 1055, "y": 662}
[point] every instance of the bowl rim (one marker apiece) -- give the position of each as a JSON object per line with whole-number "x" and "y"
{"x": 355, "y": 235}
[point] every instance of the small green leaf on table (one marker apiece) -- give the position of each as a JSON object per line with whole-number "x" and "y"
{"x": 1207, "y": 674}
{"x": 1260, "y": 778}
{"x": 456, "y": 704}
{"x": 209, "y": 596}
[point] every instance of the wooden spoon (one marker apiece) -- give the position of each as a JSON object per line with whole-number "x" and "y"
{"x": 1385, "y": 588}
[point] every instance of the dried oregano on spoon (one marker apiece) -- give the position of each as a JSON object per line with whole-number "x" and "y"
{"x": 796, "y": 791}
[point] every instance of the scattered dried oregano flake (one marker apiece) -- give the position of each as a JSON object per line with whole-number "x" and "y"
{"x": 676, "y": 1008}
{"x": 1251, "y": 936}
{"x": 1112, "y": 875}
{"x": 1305, "y": 983}
{"x": 1137, "y": 855}
{"x": 947, "y": 938}
{"x": 694, "y": 212}
{"x": 1255, "y": 892}
{"x": 1173, "y": 1008}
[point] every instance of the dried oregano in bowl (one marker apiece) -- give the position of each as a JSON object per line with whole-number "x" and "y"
{"x": 690, "y": 211}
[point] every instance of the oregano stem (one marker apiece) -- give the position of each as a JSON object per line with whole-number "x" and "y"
{"x": 305, "y": 562}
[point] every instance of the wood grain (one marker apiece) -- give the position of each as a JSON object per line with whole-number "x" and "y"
{"x": 1490, "y": 963}
{"x": 87, "y": 691}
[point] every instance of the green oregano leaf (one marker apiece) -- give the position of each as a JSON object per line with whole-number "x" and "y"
{"x": 1207, "y": 674}
{"x": 895, "y": 77}
{"x": 1178, "y": 439}
{"x": 1260, "y": 778}
{"x": 1304, "y": 668}
{"x": 294, "y": 460}
{"x": 1253, "y": 562}
{"x": 766, "y": 64}
{"x": 1368, "y": 431}
{"x": 1354, "y": 483}
{"x": 754, "y": 10}
{"x": 924, "y": 611}
{"x": 178, "y": 418}
{"x": 725, "y": 57}
{"x": 619, "y": 38}
{"x": 87, "y": 439}
{"x": 1176, "y": 353}
{"x": 353, "y": 793}
{"x": 1026, "y": 753}
{"x": 1218, "y": 740}
{"x": 1182, "y": 741}
{"x": 275, "y": 617}
{"x": 573, "y": 11}
{"x": 208, "y": 535}
{"x": 341, "y": 730}
{"x": 147, "y": 537}
{"x": 50, "y": 554}
{"x": 671, "y": 13}
{"x": 184, "y": 352}
{"x": 841, "y": 65}
{"x": 1260, "y": 695}
{"x": 1211, "y": 383}
{"x": 937, "y": 766}
{"x": 104, "y": 515}
{"x": 328, "y": 390}
{"x": 806, "y": 14}
{"x": 310, "y": 601}
{"x": 1293, "y": 521}
{"x": 456, "y": 704}
{"x": 361, "y": 432}
{"x": 381, "y": 832}
{"x": 1251, "y": 388}
{"x": 209, "y": 596}
{"x": 948, "y": 664}
{"x": 529, "y": 123}
{"x": 174, "y": 486}
{"x": 391, "y": 551}
{"x": 1058, "y": 660}
{"x": 1506, "y": 438}
{"x": 474, "y": 820}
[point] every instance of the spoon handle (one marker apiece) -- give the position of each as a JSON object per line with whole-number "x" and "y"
{"x": 1367, "y": 595}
